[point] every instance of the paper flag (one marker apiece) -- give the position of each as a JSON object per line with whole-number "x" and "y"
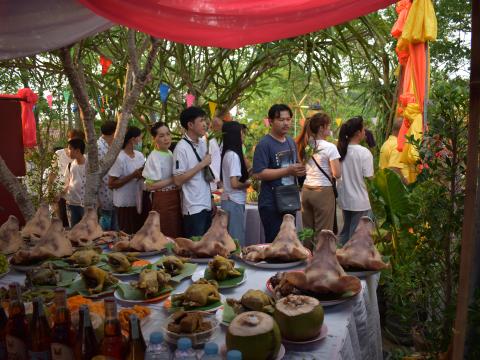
{"x": 190, "y": 99}
{"x": 105, "y": 62}
{"x": 302, "y": 121}
{"x": 74, "y": 107}
{"x": 119, "y": 83}
{"x": 213, "y": 106}
{"x": 266, "y": 122}
{"x": 338, "y": 121}
{"x": 99, "y": 101}
{"x": 66, "y": 95}
{"x": 50, "y": 100}
{"x": 164, "y": 90}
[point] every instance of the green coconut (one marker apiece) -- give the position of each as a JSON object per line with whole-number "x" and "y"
{"x": 255, "y": 334}
{"x": 299, "y": 317}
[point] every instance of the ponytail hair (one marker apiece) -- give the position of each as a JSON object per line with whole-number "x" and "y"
{"x": 310, "y": 128}
{"x": 347, "y": 131}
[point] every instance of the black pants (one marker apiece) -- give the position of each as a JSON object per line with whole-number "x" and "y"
{"x": 271, "y": 221}
{"x": 197, "y": 224}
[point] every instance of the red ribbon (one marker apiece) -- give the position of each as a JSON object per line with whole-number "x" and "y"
{"x": 105, "y": 62}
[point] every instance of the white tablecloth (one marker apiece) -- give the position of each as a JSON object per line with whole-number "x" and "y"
{"x": 353, "y": 327}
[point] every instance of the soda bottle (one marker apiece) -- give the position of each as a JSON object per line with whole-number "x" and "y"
{"x": 157, "y": 349}
{"x": 40, "y": 335}
{"x": 63, "y": 337}
{"x": 17, "y": 327}
{"x": 184, "y": 350}
{"x": 86, "y": 346}
{"x": 3, "y": 330}
{"x": 112, "y": 344}
{"x": 136, "y": 343}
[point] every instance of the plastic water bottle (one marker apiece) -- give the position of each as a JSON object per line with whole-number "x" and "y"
{"x": 157, "y": 349}
{"x": 184, "y": 350}
{"x": 210, "y": 352}
{"x": 234, "y": 355}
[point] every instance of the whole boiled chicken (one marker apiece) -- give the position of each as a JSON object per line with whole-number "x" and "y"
{"x": 10, "y": 238}
{"x": 38, "y": 225}
{"x": 148, "y": 238}
{"x": 285, "y": 247}
{"x": 324, "y": 274}
{"x": 360, "y": 252}
{"x": 53, "y": 244}
{"x": 86, "y": 230}
{"x": 216, "y": 241}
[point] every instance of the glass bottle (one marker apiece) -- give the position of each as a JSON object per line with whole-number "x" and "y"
{"x": 86, "y": 346}
{"x": 63, "y": 337}
{"x": 112, "y": 344}
{"x": 136, "y": 343}
{"x": 40, "y": 334}
{"x": 17, "y": 326}
{"x": 3, "y": 330}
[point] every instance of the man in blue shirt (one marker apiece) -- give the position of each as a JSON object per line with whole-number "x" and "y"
{"x": 275, "y": 163}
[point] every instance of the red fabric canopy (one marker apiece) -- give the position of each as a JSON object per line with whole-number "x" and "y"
{"x": 231, "y": 23}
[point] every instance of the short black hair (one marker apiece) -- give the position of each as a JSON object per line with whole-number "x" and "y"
{"x": 77, "y": 143}
{"x": 132, "y": 131}
{"x": 108, "y": 127}
{"x": 156, "y": 126}
{"x": 276, "y": 109}
{"x": 190, "y": 114}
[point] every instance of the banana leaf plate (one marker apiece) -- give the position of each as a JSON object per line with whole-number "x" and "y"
{"x": 187, "y": 271}
{"x": 66, "y": 278}
{"x": 80, "y": 287}
{"x": 167, "y": 305}
{"x": 135, "y": 269}
{"x": 223, "y": 284}
{"x": 68, "y": 266}
{"x": 128, "y": 294}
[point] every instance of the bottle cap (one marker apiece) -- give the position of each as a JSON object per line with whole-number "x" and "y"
{"x": 184, "y": 343}
{"x": 156, "y": 337}
{"x": 211, "y": 348}
{"x": 234, "y": 355}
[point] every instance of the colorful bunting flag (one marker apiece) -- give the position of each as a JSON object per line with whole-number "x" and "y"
{"x": 105, "y": 62}
{"x": 66, "y": 95}
{"x": 338, "y": 121}
{"x": 49, "y": 100}
{"x": 74, "y": 107}
{"x": 213, "y": 106}
{"x": 190, "y": 99}
{"x": 164, "y": 90}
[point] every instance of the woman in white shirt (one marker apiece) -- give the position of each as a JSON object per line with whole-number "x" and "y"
{"x": 158, "y": 174}
{"x": 125, "y": 178}
{"x": 323, "y": 167}
{"x": 357, "y": 164}
{"x": 234, "y": 175}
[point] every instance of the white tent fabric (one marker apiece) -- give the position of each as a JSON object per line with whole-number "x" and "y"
{"x": 29, "y": 27}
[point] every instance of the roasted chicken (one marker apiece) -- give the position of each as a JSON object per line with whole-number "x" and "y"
{"x": 286, "y": 246}
{"x": 201, "y": 293}
{"x": 173, "y": 265}
{"x": 188, "y": 322}
{"x": 97, "y": 280}
{"x": 53, "y": 244}
{"x": 222, "y": 268}
{"x": 216, "y": 241}
{"x": 253, "y": 300}
{"x": 10, "y": 238}
{"x": 360, "y": 252}
{"x": 87, "y": 230}
{"x": 152, "y": 281}
{"x": 38, "y": 225}
{"x": 86, "y": 257}
{"x": 121, "y": 263}
{"x": 148, "y": 238}
{"x": 324, "y": 274}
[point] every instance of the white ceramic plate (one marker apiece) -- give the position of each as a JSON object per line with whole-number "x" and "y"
{"x": 323, "y": 334}
{"x": 271, "y": 265}
{"x": 5, "y": 273}
{"x": 23, "y": 268}
{"x": 362, "y": 274}
{"x": 200, "y": 273}
{"x": 281, "y": 352}
{"x": 160, "y": 298}
{"x": 167, "y": 305}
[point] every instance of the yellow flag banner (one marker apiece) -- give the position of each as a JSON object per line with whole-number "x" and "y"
{"x": 338, "y": 121}
{"x": 213, "y": 106}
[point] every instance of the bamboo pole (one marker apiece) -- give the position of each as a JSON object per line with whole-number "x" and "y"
{"x": 471, "y": 206}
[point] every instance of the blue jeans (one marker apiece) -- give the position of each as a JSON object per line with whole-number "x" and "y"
{"x": 109, "y": 220}
{"x": 350, "y": 222}
{"x": 271, "y": 221}
{"x": 75, "y": 214}
{"x": 197, "y": 224}
{"x": 236, "y": 220}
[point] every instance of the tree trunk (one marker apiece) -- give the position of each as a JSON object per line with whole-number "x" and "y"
{"x": 17, "y": 189}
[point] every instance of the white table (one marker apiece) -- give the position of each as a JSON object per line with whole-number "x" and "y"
{"x": 353, "y": 327}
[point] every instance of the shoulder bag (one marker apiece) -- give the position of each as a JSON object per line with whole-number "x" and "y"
{"x": 207, "y": 172}
{"x": 287, "y": 197}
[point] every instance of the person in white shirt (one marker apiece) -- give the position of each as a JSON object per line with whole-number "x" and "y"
{"x": 108, "y": 216}
{"x": 357, "y": 164}
{"x": 59, "y": 165}
{"x": 125, "y": 178}
{"x": 215, "y": 150}
{"x": 190, "y": 166}
{"x": 158, "y": 174}
{"x": 234, "y": 175}
{"x": 75, "y": 178}
{"x": 322, "y": 169}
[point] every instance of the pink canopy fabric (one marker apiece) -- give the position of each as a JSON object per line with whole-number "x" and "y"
{"x": 231, "y": 23}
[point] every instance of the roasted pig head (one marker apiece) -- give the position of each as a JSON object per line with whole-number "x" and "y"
{"x": 10, "y": 238}
{"x": 37, "y": 226}
{"x": 216, "y": 241}
{"x": 285, "y": 247}
{"x": 87, "y": 230}
{"x": 324, "y": 274}
{"x": 360, "y": 252}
